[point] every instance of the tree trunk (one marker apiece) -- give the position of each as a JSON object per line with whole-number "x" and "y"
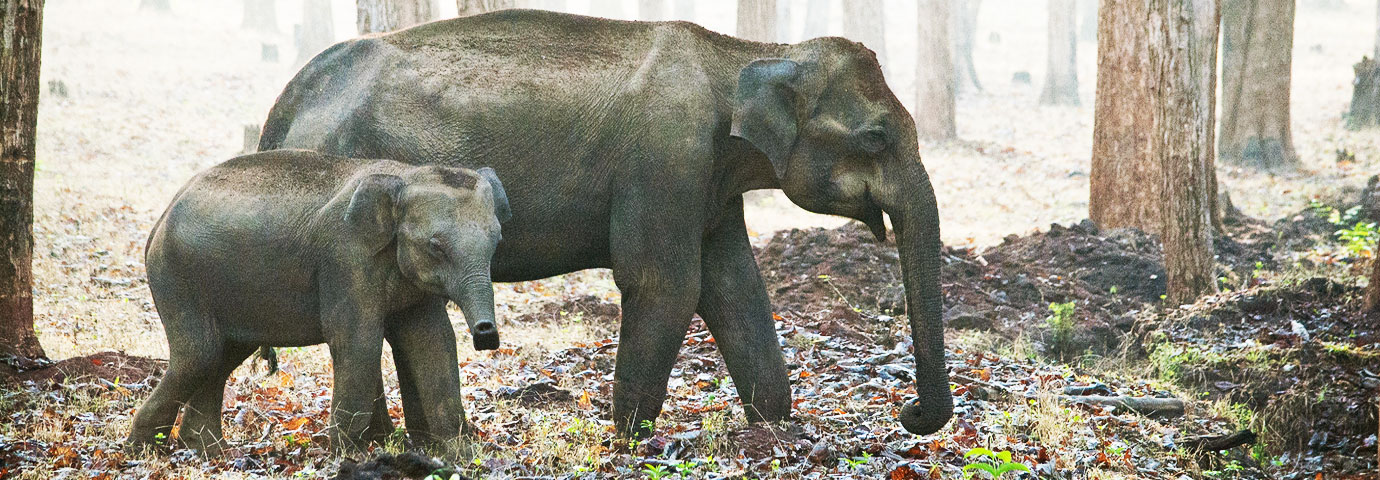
{"x": 1122, "y": 193}
{"x": 389, "y": 15}
{"x": 465, "y": 8}
{"x": 1377, "y": 31}
{"x": 155, "y": 5}
{"x": 963, "y": 32}
{"x": 1183, "y": 60}
{"x": 317, "y": 31}
{"x": 863, "y": 22}
{"x": 684, "y": 10}
{"x": 1372, "y": 300}
{"x": 1257, "y": 43}
{"x": 1087, "y": 26}
{"x": 1061, "y": 72}
{"x": 757, "y": 20}
{"x": 20, "y": 46}
{"x": 606, "y": 8}
{"x": 260, "y": 16}
{"x": 934, "y": 72}
{"x": 1365, "y": 95}
{"x": 651, "y": 10}
{"x": 817, "y": 18}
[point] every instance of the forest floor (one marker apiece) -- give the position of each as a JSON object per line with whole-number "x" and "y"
{"x": 150, "y": 99}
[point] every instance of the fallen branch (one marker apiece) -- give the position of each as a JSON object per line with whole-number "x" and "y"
{"x": 1215, "y": 443}
{"x": 1167, "y": 407}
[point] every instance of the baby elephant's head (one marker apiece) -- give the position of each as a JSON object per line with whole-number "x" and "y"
{"x": 445, "y": 223}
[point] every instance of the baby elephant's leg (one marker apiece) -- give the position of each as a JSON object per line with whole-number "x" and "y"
{"x": 191, "y": 354}
{"x": 356, "y": 351}
{"x": 423, "y": 342}
{"x": 201, "y": 420}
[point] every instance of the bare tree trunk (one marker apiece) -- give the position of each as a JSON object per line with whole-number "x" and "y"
{"x": 785, "y": 20}
{"x": 863, "y": 22}
{"x": 1372, "y": 300}
{"x": 1257, "y": 46}
{"x": 684, "y": 10}
{"x": 1061, "y": 72}
{"x": 1183, "y": 59}
{"x": 260, "y": 16}
{"x": 606, "y": 8}
{"x": 934, "y": 72}
{"x": 389, "y": 15}
{"x": 155, "y": 5}
{"x": 757, "y": 20}
{"x": 1087, "y": 27}
{"x": 963, "y": 32}
{"x": 20, "y": 49}
{"x": 317, "y": 31}
{"x": 465, "y": 8}
{"x": 651, "y": 10}
{"x": 1124, "y": 180}
{"x": 1377, "y": 31}
{"x": 817, "y": 19}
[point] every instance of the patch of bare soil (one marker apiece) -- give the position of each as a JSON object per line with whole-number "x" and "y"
{"x": 107, "y": 366}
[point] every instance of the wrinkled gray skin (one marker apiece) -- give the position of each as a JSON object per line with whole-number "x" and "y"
{"x": 292, "y": 248}
{"x": 629, "y": 145}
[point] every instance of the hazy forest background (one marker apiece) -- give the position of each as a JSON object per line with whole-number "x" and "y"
{"x": 138, "y": 95}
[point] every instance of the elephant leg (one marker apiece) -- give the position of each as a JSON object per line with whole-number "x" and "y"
{"x": 201, "y": 421}
{"x": 383, "y": 424}
{"x": 734, "y": 305}
{"x": 657, "y": 270}
{"x": 188, "y": 362}
{"x": 356, "y": 351}
{"x": 424, "y": 351}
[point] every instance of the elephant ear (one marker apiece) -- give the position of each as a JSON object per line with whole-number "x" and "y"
{"x": 501, "y": 208}
{"x": 764, "y": 108}
{"x": 373, "y": 209}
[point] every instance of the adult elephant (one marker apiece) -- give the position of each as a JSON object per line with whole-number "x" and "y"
{"x": 629, "y": 145}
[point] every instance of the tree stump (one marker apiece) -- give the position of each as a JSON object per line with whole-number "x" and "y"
{"x": 1365, "y": 95}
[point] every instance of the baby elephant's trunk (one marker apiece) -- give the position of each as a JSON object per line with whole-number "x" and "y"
{"x": 476, "y": 300}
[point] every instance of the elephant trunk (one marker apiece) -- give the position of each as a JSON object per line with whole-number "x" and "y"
{"x": 475, "y": 296}
{"x": 915, "y": 217}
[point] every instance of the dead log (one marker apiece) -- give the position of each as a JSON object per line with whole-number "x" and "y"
{"x": 1217, "y": 443}
{"x": 1149, "y": 406}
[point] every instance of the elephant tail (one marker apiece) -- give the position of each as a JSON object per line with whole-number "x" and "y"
{"x": 270, "y": 357}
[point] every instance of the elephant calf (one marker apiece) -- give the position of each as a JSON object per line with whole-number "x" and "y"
{"x": 292, "y": 248}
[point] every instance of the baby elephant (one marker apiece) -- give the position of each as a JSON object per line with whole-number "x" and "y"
{"x": 292, "y": 248}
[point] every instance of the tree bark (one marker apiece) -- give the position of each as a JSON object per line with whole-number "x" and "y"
{"x": 934, "y": 72}
{"x": 260, "y": 16}
{"x": 1124, "y": 190}
{"x": 1183, "y": 59}
{"x": 1376, "y": 54}
{"x": 1257, "y": 46}
{"x": 651, "y": 10}
{"x": 20, "y": 49}
{"x": 465, "y": 8}
{"x": 757, "y": 20}
{"x": 863, "y": 22}
{"x": 817, "y": 18}
{"x": 317, "y": 31}
{"x": 963, "y": 32}
{"x": 388, "y": 15}
{"x": 1061, "y": 72}
{"x": 1372, "y": 298}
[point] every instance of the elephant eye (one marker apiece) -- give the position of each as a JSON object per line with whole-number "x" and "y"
{"x": 872, "y": 140}
{"x": 437, "y": 248}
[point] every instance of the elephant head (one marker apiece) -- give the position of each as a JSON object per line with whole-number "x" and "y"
{"x": 840, "y": 143}
{"x": 445, "y": 223}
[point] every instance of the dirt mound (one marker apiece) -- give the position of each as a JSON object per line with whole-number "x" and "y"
{"x": 588, "y": 307}
{"x": 108, "y": 366}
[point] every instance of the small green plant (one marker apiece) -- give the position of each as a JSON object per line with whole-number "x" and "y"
{"x": 995, "y": 464}
{"x": 1359, "y": 240}
{"x": 655, "y": 472}
{"x": 648, "y": 425}
{"x": 857, "y": 462}
{"x": 1061, "y": 325}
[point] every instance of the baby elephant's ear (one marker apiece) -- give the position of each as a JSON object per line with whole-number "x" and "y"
{"x": 372, "y": 208}
{"x": 501, "y": 209}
